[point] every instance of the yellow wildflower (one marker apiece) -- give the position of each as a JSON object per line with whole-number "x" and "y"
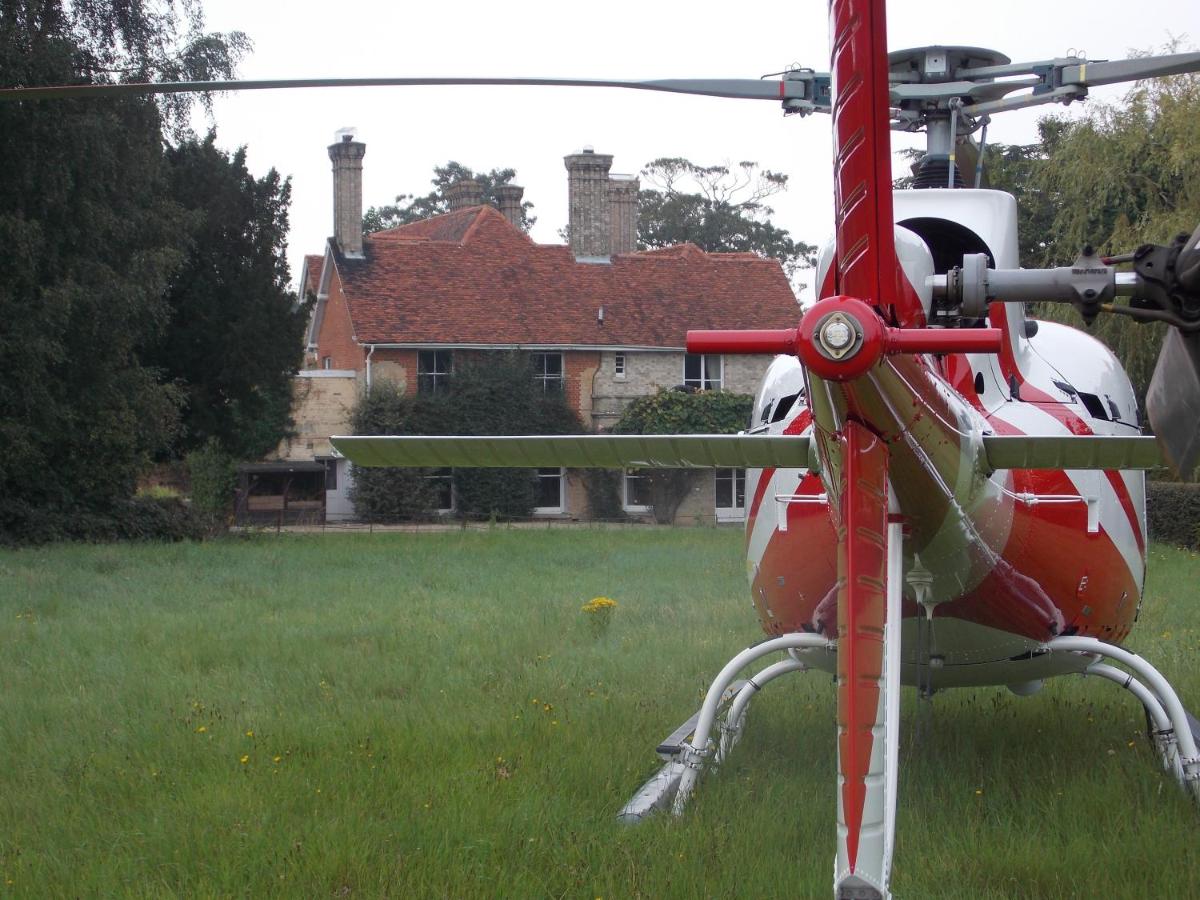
{"x": 245, "y": 758}
{"x": 202, "y": 729}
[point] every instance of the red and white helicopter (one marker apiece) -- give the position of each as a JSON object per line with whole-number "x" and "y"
{"x": 944, "y": 492}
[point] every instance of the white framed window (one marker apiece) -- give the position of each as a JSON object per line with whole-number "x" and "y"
{"x": 433, "y": 371}
{"x": 443, "y": 485}
{"x": 730, "y": 490}
{"x": 703, "y": 371}
{"x": 550, "y": 487}
{"x": 548, "y": 371}
{"x": 326, "y": 362}
{"x": 635, "y": 494}
{"x": 619, "y": 367}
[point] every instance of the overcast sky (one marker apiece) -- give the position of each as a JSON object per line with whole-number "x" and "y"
{"x": 410, "y": 130}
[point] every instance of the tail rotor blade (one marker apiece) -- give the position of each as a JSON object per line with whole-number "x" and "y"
{"x": 1173, "y": 401}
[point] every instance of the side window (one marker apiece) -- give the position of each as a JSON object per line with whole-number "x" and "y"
{"x": 703, "y": 371}
{"x": 549, "y": 491}
{"x": 433, "y": 371}
{"x": 548, "y": 371}
{"x": 442, "y": 481}
{"x": 619, "y": 366}
{"x": 636, "y": 494}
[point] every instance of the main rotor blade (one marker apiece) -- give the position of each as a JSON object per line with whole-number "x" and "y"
{"x": 1097, "y": 73}
{"x": 579, "y": 451}
{"x": 738, "y": 88}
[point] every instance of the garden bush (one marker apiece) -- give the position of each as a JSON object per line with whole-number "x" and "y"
{"x": 1173, "y": 512}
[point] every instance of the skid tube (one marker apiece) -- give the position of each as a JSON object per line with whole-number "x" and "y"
{"x": 1176, "y": 742}
{"x": 671, "y": 786}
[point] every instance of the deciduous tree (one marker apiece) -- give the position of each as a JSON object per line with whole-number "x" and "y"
{"x": 411, "y": 208}
{"x": 1124, "y": 174}
{"x": 717, "y": 208}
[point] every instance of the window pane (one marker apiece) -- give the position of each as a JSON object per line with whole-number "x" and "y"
{"x": 637, "y": 489}
{"x": 549, "y": 488}
{"x": 442, "y": 481}
{"x": 619, "y": 364}
{"x": 433, "y": 371}
{"x": 548, "y": 370}
{"x": 712, "y": 372}
{"x": 740, "y": 488}
{"x": 692, "y": 369}
{"x": 724, "y": 486}
{"x": 331, "y": 474}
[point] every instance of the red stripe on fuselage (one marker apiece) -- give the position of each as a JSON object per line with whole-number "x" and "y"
{"x": 997, "y": 314}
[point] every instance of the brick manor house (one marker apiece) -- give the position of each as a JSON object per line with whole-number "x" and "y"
{"x": 601, "y": 321}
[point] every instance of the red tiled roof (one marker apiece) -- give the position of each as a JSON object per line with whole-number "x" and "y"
{"x": 313, "y": 264}
{"x": 470, "y": 277}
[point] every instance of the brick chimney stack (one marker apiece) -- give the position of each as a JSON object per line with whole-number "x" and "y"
{"x": 590, "y": 217}
{"x": 463, "y": 194}
{"x": 622, "y": 196}
{"x": 347, "y": 155}
{"x": 508, "y": 197}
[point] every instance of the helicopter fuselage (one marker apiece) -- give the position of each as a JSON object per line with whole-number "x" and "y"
{"x": 1000, "y": 561}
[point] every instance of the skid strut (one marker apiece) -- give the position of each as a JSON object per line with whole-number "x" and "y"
{"x": 1176, "y": 741}
{"x": 690, "y": 747}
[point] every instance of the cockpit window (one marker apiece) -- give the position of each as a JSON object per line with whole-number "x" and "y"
{"x": 785, "y": 406}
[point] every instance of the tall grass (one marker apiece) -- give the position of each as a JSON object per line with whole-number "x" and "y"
{"x": 417, "y": 715}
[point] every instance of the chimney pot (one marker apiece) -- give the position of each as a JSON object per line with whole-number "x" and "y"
{"x": 508, "y": 198}
{"x": 463, "y": 194}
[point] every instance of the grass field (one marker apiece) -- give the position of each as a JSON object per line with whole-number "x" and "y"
{"x": 430, "y": 715}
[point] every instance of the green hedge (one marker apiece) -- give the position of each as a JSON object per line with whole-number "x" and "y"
{"x": 1173, "y": 512}
{"x": 139, "y": 519}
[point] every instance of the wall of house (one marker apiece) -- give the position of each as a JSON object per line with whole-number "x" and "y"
{"x": 321, "y": 404}
{"x": 336, "y": 339}
{"x": 647, "y": 371}
{"x": 397, "y": 366}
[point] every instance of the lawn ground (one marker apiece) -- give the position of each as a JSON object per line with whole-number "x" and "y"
{"x": 430, "y": 715}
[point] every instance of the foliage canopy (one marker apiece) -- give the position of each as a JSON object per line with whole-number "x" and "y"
{"x": 411, "y": 208}
{"x": 717, "y": 208}
{"x": 1124, "y": 174}
{"x": 95, "y": 238}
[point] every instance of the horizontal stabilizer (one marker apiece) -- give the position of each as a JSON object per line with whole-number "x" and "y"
{"x": 1071, "y": 452}
{"x": 579, "y": 451}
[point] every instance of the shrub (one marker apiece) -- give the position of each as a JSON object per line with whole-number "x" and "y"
{"x": 603, "y": 488}
{"x": 213, "y": 478}
{"x": 681, "y": 412}
{"x": 1173, "y": 512}
{"x": 139, "y": 519}
{"x": 491, "y": 393}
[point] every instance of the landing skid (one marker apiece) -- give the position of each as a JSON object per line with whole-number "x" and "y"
{"x": 690, "y": 748}
{"x": 1175, "y": 732}
{"x": 867, "y": 657}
